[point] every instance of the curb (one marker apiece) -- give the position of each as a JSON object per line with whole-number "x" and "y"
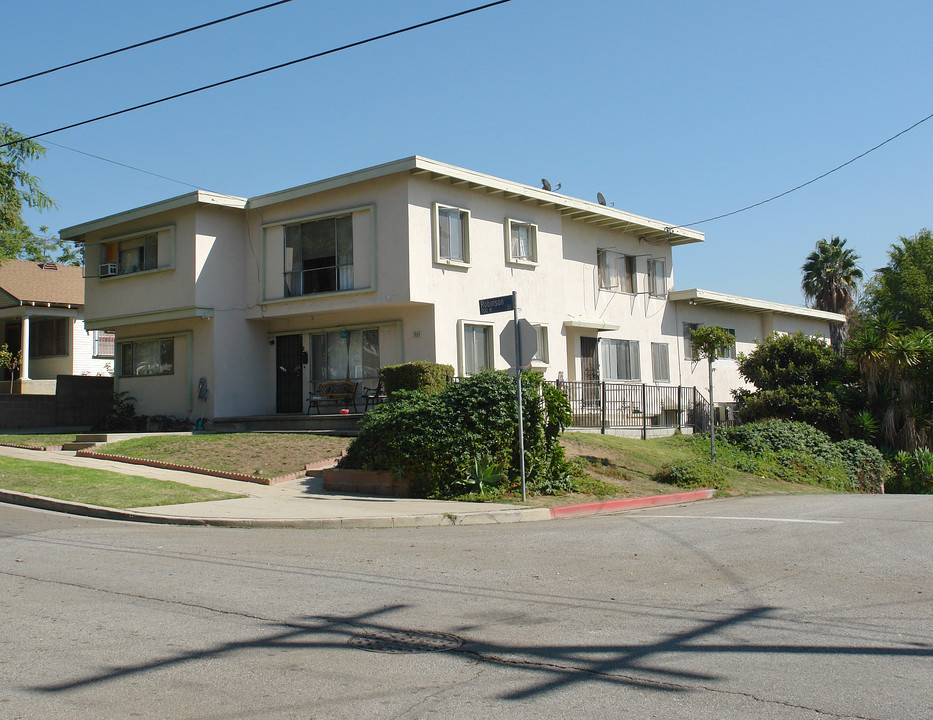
{"x": 479, "y": 517}
{"x": 611, "y": 506}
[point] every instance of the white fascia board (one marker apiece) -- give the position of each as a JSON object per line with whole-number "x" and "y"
{"x": 737, "y": 302}
{"x": 198, "y": 197}
{"x": 109, "y": 323}
{"x": 438, "y": 170}
{"x": 589, "y": 323}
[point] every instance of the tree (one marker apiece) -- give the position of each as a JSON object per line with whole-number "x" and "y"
{"x": 796, "y": 378}
{"x": 18, "y": 189}
{"x": 11, "y": 361}
{"x": 709, "y": 342}
{"x": 830, "y": 281}
{"x": 903, "y": 289}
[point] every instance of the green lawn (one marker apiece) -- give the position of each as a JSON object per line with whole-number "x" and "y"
{"x": 98, "y": 487}
{"x": 264, "y": 455}
{"x": 37, "y": 440}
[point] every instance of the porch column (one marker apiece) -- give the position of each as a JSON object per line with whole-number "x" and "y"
{"x": 24, "y": 345}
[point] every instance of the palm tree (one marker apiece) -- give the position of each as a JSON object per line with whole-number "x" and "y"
{"x": 830, "y": 281}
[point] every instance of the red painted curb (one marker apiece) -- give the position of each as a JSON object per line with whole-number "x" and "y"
{"x": 630, "y": 504}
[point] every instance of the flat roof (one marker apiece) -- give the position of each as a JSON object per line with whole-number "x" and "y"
{"x": 202, "y": 197}
{"x": 569, "y": 207}
{"x": 696, "y": 296}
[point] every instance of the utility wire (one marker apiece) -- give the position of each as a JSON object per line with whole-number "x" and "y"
{"x": 141, "y": 44}
{"x": 808, "y": 182}
{"x": 130, "y": 167}
{"x": 374, "y": 38}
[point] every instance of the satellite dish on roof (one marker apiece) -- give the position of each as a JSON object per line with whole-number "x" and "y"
{"x": 600, "y": 198}
{"x": 545, "y": 184}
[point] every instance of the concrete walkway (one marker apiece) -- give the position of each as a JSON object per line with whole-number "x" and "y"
{"x": 301, "y": 503}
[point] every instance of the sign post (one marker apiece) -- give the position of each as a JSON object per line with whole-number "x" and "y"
{"x": 504, "y": 303}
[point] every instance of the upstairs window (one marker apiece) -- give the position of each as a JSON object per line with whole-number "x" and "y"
{"x": 319, "y": 256}
{"x": 452, "y": 235}
{"x": 616, "y": 271}
{"x": 132, "y": 255}
{"x": 522, "y": 242}
{"x": 657, "y": 280}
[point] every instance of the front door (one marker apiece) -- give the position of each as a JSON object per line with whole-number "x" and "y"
{"x": 288, "y": 373}
{"x": 589, "y": 369}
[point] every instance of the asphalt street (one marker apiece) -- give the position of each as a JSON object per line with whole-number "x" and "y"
{"x": 792, "y": 607}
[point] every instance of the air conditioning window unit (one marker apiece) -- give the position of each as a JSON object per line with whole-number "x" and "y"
{"x": 108, "y": 269}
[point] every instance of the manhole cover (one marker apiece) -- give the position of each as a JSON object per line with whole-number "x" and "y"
{"x": 405, "y": 641}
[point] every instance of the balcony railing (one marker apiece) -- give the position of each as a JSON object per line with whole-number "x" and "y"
{"x": 607, "y": 405}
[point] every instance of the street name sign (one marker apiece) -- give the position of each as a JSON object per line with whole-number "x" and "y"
{"x": 496, "y": 305}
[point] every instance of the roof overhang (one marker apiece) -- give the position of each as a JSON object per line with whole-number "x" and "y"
{"x": 697, "y": 296}
{"x": 589, "y": 322}
{"x": 109, "y": 323}
{"x": 198, "y": 197}
{"x": 569, "y": 207}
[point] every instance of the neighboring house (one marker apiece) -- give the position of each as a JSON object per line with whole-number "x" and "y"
{"x": 265, "y": 297}
{"x": 41, "y": 310}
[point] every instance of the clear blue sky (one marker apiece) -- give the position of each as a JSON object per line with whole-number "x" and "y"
{"x": 674, "y": 110}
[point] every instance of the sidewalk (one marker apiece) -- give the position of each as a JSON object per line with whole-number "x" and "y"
{"x": 303, "y": 503}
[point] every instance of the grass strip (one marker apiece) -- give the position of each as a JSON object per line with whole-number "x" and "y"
{"x": 37, "y": 440}
{"x": 98, "y": 487}
{"x": 263, "y": 455}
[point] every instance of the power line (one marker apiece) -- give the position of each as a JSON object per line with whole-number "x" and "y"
{"x": 808, "y": 182}
{"x": 141, "y": 44}
{"x": 130, "y": 167}
{"x": 348, "y": 46}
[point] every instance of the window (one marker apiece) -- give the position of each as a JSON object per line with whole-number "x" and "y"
{"x": 103, "y": 341}
{"x": 319, "y": 256}
{"x": 660, "y": 363}
{"x": 147, "y": 357}
{"x": 730, "y": 351}
{"x": 616, "y": 271}
{"x": 657, "y": 282}
{"x": 133, "y": 255}
{"x": 48, "y": 338}
{"x": 541, "y": 354}
{"x": 522, "y": 240}
{"x": 345, "y": 354}
{"x": 620, "y": 360}
{"x": 452, "y": 241}
{"x": 477, "y": 348}
{"x": 688, "y": 342}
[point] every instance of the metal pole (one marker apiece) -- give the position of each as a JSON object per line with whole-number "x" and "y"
{"x": 518, "y": 382}
{"x": 712, "y": 417}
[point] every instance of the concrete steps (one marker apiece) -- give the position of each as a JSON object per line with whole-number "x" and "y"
{"x": 85, "y": 440}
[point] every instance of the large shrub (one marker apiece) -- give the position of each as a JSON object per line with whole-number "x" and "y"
{"x": 863, "y": 463}
{"x": 425, "y": 376}
{"x": 787, "y": 435}
{"x": 438, "y": 441}
{"x": 796, "y": 378}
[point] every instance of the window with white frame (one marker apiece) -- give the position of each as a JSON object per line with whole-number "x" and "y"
{"x": 620, "y": 360}
{"x": 452, "y": 234}
{"x": 522, "y": 241}
{"x": 477, "y": 348}
{"x": 660, "y": 363}
{"x": 48, "y": 337}
{"x": 541, "y": 355}
{"x": 130, "y": 255}
{"x": 657, "y": 280}
{"x": 147, "y": 357}
{"x": 616, "y": 271}
{"x": 319, "y": 256}
{"x": 103, "y": 342}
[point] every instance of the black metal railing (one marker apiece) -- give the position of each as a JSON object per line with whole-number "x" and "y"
{"x": 608, "y": 405}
